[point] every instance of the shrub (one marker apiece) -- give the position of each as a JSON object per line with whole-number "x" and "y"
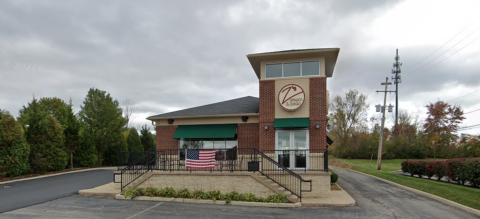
{"x": 151, "y": 192}
{"x": 215, "y": 195}
{"x": 405, "y": 166}
{"x": 462, "y": 174}
{"x": 439, "y": 168}
{"x": 333, "y": 176}
{"x": 184, "y": 193}
{"x": 198, "y": 194}
{"x": 453, "y": 170}
{"x": 234, "y": 196}
{"x": 277, "y": 198}
{"x": 429, "y": 171}
{"x": 472, "y": 167}
{"x": 169, "y": 192}
{"x": 411, "y": 167}
{"x": 249, "y": 197}
{"x": 132, "y": 193}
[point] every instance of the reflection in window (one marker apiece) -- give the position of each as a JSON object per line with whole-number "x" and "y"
{"x": 292, "y": 69}
{"x": 226, "y": 149}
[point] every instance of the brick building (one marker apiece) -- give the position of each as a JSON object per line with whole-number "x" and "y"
{"x": 288, "y": 120}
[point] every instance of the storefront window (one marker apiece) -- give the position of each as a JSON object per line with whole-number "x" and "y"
{"x": 226, "y": 148}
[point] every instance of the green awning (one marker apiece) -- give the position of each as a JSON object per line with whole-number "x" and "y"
{"x": 292, "y": 123}
{"x": 329, "y": 140}
{"x": 206, "y": 131}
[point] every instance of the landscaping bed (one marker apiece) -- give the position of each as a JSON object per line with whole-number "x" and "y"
{"x": 461, "y": 171}
{"x": 202, "y": 195}
{"x": 461, "y": 194}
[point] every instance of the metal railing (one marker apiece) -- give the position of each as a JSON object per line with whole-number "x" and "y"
{"x": 301, "y": 160}
{"x": 270, "y": 163}
{"x": 284, "y": 177}
{"x": 235, "y": 159}
{"x": 137, "y": 167}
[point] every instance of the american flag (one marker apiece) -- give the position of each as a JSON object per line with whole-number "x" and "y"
{"x": 200, "y": 159}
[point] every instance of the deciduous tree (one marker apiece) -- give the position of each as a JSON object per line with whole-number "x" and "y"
{"x": 443, "y": 118}
{"x": 348, "y": 115}
{"x": 102, "y": 117}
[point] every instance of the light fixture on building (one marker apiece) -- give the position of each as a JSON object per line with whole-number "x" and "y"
{"x": 244, "y": 118}
{"x": 329, "y": 127}
{"x": 170, "y": 121}
{"x": 317, "y": 125}
{"x": 266, "y": 127}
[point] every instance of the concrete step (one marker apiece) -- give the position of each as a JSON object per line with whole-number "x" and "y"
{"x": 292, "y": 198}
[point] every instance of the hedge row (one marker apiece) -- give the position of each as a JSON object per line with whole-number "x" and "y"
{"x": 459, "y": 170}
{"x": 199, "y": 194}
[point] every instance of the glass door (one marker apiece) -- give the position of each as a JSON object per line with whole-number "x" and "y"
{"x": 283, "y": 144}
{"x": 292, "y": 148}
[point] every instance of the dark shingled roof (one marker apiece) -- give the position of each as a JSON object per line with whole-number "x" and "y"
{"x": 241, "y": 105}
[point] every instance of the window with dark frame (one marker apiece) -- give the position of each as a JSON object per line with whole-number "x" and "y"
{"x": 226, "y": 149}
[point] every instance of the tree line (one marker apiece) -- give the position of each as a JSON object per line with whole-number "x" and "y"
{"x": 49, "y": 136}
{"x": 434, "y": 138}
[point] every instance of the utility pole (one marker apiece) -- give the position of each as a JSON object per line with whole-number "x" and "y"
{"x": 396, "y": 79}
{"x": 379, "y": 157}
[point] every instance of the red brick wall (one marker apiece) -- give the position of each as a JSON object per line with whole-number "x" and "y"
{"x": 267, "y": 115}
{"x": 165, "y": 137}
{"x": 248, "y": 135}
{"x": 318, "y": 112}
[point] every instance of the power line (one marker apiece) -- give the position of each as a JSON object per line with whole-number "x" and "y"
{"x": 468, "y": 127}
{"x": 463, "y": 96}
{"x": 472, "y": 111}
{"x": 448, "y": 56}
{"x": 444, "y": 51}
{"x": 439, "y": 47}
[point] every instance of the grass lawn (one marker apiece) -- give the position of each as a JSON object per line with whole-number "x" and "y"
{"x": 461, "y": 194}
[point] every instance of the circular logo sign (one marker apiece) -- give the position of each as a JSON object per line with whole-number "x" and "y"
{"x": 291, "y": 97}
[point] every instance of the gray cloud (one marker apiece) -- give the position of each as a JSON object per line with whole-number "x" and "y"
{"x": 171, "y": 55}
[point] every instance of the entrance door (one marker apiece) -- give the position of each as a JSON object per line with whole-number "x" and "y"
{"x": 291, "y": 148}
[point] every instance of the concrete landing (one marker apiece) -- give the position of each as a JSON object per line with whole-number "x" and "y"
{"x": 338, "y": 198}
{"x": 107, "y": 190}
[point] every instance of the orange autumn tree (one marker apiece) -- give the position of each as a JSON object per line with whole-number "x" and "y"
{"x": 442, "y": 123}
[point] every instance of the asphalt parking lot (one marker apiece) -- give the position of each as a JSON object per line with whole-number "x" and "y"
{"x": 375, "y": 200}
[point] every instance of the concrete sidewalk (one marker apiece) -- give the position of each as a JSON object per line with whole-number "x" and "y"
{"x": 107, "y": 190}
{"x": 337, "y": 198}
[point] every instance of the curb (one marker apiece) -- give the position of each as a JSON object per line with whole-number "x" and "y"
{"x": 434, "y": 197}
{"x": 56, "y": 174}
{"x": 233, "y": 203}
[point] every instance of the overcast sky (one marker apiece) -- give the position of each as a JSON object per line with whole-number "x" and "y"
{"x": 171, "y": 55}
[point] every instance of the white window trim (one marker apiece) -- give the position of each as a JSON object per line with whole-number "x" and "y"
{"x": 301, "y": 72}
{"x": 307, "y": 154}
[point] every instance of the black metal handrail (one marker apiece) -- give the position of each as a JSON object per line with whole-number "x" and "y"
{"x": 137, "y": 168}
{"x": 234, "y": 159}
{"x": 281, "y": 175}
{"x": 301, "y": 160}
